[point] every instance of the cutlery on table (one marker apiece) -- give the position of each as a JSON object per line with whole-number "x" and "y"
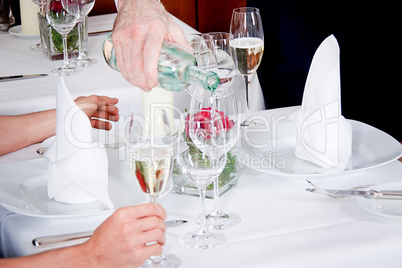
{"x": 371, "y": 193}
{"x": 21, "y": 76}
{"x": 80, "y": 237}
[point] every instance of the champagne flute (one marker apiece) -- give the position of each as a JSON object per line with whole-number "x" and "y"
{"x": 151, "y": 167}
{"x": 82, "y": 60}
{"x": 226, "y": 106}
{"x": 63, "y": 16}
{"x": 247, "y": 43}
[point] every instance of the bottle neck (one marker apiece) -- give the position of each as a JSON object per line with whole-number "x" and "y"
{"x": 196, "y": 76}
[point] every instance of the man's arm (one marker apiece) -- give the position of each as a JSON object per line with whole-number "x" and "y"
{"x": 140, "y": 28}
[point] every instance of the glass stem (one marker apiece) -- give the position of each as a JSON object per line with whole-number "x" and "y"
{"x": 160, "y": 259}
{"x": 65, "y": 52}
{"x": 203, "y": 224}
{"x": 247, "y": 98}
{"x": 217, "y": 207}
{"x": 80, "y": 54}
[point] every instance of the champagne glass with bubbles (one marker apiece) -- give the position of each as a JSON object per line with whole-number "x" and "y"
{"x": 151, "y": 166}
{"x": 247, "y": 45}
{"x": 63, "y": 16}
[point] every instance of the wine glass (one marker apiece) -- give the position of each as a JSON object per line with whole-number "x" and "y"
{"x": 151, "y": 166}
{"x": 247, "y": 44}
{"x": 42, "y": 7}
{"x": 63, "y": 16}
{"x": 226, "y": 68}
{"x": 201, "y": 155}
{"x": 226, "y": 106}
{"x": 85, "y": 7}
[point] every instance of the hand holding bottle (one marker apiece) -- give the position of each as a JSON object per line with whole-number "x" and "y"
{"x": 140, "y": 28}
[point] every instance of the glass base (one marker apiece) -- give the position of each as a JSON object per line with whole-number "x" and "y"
{"x": 247, "y": 123}
{"x": 219, "y": 221}
{"x": 67, "y": 70}
{"x": 202, "y": 241}
{"x": 166, "y": 261}
{"x": 36, "y": 47}
{"x": 85, "y": 62}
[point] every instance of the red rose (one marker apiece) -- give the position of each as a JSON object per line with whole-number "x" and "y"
{"x": 56, "y": 6}
{"x": 204, "y": 117}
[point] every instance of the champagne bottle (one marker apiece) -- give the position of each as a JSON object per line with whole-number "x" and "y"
{"x": 177, "y": 67}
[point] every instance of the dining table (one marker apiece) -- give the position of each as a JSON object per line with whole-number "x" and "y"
{"x": 282, "y": 224}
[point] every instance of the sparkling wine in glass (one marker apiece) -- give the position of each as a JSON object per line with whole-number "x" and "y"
{"x": 82, "y": 59}
{"x": 247, "y": 44}
{"x": 63, "y": 16}
{"x": 151, "y": 167}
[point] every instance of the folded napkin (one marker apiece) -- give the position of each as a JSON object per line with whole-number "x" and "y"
{"x": 78, "y": 166}
{"x": 324, "y": 137}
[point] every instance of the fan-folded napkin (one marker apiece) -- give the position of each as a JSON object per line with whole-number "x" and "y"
{"x": 324, "y": 137}
{"x": 78, "y": 166}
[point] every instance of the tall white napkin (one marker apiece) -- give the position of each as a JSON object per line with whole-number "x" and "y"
{"x": 78, "y": 167}
{"x": 324, "y": 137}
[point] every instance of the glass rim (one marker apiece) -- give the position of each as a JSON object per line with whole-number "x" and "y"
{"x": 246, "y": 10}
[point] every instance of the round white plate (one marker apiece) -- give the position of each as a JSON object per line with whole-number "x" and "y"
{"x": 16, "y": 31}
{"x": 273, "y": 151}
{"x": 383, "y": 207}
{"x": 23, "y": 190}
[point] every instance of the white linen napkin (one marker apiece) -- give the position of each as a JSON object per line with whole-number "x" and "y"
{"x": 324, "y": 137}
{"x": 78, "y": 167}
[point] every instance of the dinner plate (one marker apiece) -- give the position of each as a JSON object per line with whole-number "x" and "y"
{"x": 23, "y": 189}
{"x": 383, "y": 207}
{"x": 16, "y": 31}
{"x": 273, "y": 151}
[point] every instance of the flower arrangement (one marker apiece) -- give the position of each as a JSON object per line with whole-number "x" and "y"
{"x": 52, "y": 41}
{"x": 229, "y": 176}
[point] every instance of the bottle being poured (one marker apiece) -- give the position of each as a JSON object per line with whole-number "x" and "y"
{"x": 177, "y": 67}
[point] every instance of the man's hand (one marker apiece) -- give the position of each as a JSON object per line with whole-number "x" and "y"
{"x": 140, "y": 28}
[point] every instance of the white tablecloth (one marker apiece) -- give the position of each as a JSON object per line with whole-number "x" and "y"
{"x": 282, "y": 224}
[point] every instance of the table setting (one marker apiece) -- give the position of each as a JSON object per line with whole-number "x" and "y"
{"x": 293, "y": 186}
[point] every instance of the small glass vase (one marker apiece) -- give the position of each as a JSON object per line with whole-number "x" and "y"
{"x": 227, "y": 180}
{"x": 52, "y": 42}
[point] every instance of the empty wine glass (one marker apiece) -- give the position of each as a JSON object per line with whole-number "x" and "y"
{"x": 63, "y": 16}
{"x": 226, "y": 68}
{"x": 82, "y": 59}
{"x": 247, "y": 43}
{"x": 226, "y": 106}
{"x": 42, "y": 7}
{"x": 203, "y": 141}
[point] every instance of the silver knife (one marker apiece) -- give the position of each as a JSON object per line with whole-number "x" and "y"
{"x": 80, "y": 237}
{"x": 21, "y": 76}
{"x": 383, "y": 194}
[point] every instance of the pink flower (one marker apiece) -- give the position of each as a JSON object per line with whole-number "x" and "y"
{"x": 204, "y": 120}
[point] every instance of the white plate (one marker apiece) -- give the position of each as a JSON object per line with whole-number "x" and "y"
{"x": 16, "y": 31}
{"x": 23, "y": 190}
{"x": 370, "y": 148}
{"x": 383, "y": 207}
